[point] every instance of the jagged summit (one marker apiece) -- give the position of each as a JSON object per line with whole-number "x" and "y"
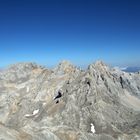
{"x": 32, "y": 109}
{"x": 65, "y": 64}
{"x": 98, "y": 63}
{"x": 65, "y": 67}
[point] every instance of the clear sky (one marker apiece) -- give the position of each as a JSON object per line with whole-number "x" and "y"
{"x": 82, "y": 31}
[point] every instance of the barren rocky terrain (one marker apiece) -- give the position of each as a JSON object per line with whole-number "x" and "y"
{"x": 37, "y": 103}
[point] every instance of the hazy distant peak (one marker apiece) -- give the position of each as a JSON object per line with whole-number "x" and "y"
{"x": 65, "y": 63}
{"x": 23, "y": 65}
{"x": 100, "y": 63}
{"x": 65, "y": 66}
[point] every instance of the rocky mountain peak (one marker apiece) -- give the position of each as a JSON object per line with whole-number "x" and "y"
{"x": 98, "y": 69}
{"x": 65, "y": 67}
{"x": 100, "y": 63}
{"x": 65, "y": 63}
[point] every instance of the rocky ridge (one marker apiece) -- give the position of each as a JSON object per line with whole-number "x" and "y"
{"x": 105, "y": 97}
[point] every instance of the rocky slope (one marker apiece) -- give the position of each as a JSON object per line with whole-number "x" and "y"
{"x": 105, "y": 97}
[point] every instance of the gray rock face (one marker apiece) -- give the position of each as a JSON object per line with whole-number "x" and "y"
{"x": 105, "y": 97}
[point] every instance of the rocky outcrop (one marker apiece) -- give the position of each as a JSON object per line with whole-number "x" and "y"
{"x": 105, "y": 97}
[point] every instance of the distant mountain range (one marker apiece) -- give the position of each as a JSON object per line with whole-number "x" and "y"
{"x": 131, "y": 69}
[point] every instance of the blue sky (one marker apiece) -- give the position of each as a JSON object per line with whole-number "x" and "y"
{"x": 82, "y": 31}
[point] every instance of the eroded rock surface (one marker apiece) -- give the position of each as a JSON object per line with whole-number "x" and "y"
{"x": 105, "y": 97}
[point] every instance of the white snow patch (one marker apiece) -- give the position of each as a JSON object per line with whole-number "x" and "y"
{"x": 92, "y": 128}
{"x": 27, "y": 90}
{"x": 35, "y": 112}
{"x": 28, "y": 115}
{"x": 44, "y": 104}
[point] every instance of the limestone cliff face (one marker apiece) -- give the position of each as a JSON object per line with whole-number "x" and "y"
{"x": 106, "y": 97}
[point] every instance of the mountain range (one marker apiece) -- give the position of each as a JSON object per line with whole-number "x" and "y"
{"x": 67, "y": 103}
{"x": 131, "y": 69}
